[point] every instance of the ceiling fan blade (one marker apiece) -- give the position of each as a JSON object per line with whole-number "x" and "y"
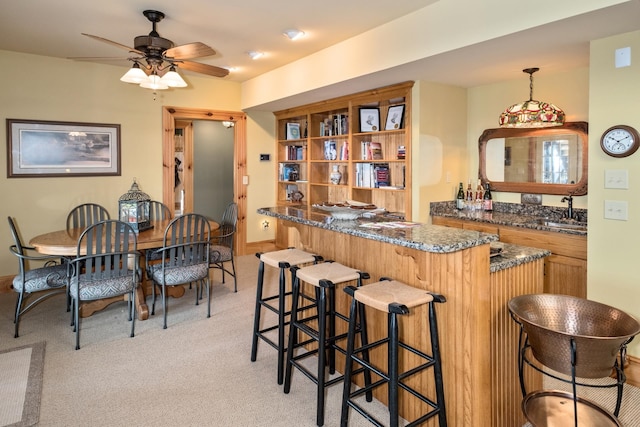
{"x": 188, "y": 51}
{"x": 116, "y": 44}
{"x": 197, "y": 67}
{"x": 98, "y": 58}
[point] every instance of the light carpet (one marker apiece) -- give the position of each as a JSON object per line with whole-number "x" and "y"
{"x": 21, "y": 384}
{"x": 197, "y": 372}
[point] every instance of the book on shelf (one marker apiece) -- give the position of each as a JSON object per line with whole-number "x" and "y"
{"x": 293, "y": 130}
{"x": 344, "y": 151}
{"x": 330, "y": 150}
{"x": 373, "y": 175}
{"x": 334, "y": 124}
{"x": 371, "y": 150}
{"x": 402, "y": 152}
{"x": 294, "y": 152}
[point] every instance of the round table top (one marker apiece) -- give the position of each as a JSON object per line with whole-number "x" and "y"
{"x": 65, "y": 242}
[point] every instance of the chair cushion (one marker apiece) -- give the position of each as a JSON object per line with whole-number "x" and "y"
{"x": 178, "y": 275}
{"x": 102, "y": 288}
{"x": 40, "y": 279}
{"x": 219, "y": 253}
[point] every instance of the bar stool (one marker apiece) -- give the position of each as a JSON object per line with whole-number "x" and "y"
{"x": 282, "y": 259}
{"x": 323, "y": 277}
{"x": 393, "y": 298}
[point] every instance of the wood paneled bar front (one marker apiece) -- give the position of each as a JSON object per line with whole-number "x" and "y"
{"x": 479, "y": 341}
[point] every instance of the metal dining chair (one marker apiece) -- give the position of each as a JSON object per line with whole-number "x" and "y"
{"x": 106, "y": 266}
{"x": 158, "y": 211}
{"x": 221, "y": 250}
{"x": 85, "y": 215}
{"x": 185, "y": 259}
{"x": 35, "y": 284}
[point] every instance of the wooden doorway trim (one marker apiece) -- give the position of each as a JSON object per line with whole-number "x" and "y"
{"x": 169, "y": 117}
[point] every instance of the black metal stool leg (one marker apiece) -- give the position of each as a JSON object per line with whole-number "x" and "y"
{"x": 256, "y": 317}
{"x": 393, "y": 369}
{"x": 322, "y": 352}
{"x": 281, "y": 323}
{"x": 437, "y": 364}
{"x": 293, "y": 334}
{"x": 348, "y": 369}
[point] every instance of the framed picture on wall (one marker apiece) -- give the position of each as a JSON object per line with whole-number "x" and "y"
{"x": 369, "y": 119}
{"x": 38, "y": 148}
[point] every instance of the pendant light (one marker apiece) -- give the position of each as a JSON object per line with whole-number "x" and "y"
{"x": 531, "y": 113}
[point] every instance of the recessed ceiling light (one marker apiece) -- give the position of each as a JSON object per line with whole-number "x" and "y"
{"x": 293, "y": 34}
{"x": 254, "y": 54}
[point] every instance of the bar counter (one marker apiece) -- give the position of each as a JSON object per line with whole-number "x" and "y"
{"x": 478, "y": 339}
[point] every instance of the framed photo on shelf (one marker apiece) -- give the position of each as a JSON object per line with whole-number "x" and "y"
{"x": 38, "y": 149}
{"x": 395, "y": 118}
{"x": 369, "y": 119}
{"x": 293, "y": 130}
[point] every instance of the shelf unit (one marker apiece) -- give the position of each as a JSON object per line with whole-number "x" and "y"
{"x": 330, "y": 134}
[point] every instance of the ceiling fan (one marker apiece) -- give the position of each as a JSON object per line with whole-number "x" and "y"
{"x": 158, "y": 57}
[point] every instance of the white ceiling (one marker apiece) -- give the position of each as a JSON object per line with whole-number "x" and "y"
{"x": 53, "y": 28}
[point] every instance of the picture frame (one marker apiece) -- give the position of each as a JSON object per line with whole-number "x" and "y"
{"x": 293, "y": 130}
{"x": 39, "y": 149}
{"x": 395, "y": 118}
{"x": 369, "y": 119}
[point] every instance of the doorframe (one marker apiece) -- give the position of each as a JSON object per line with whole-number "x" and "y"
{"x": 239, "y": 119}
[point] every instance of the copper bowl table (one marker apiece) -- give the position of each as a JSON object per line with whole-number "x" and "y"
{"x": 576, "y": 337}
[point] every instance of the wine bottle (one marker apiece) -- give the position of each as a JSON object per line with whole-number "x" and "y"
{"x": 487, "y": 201}
{"x": 479, "y": 192}
{"x": 460, "y": 198}
{"x": 469, "y": 192}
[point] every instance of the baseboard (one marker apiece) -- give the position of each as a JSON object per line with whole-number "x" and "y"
{"x": 262, "y": 246}
{"x": 632, "y": 371}
{"x": 6, "y": 284}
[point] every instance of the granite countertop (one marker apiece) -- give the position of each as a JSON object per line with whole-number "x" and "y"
{"x": 536, "y": 218}
{"x": 514, "y": 255}
{"x": 423, "y": 237}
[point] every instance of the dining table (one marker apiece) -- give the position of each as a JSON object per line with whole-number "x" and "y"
{"x": 64, "y": 243}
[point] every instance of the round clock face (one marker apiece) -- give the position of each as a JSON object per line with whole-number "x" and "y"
{"x": 620, "y": 141}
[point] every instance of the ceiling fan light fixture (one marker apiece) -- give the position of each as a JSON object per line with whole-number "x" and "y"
{"x": 173, "y": 79}
{"x": 154, "y": 82}
{"x": 255, "y": 54}
{"x": 531, "y": 113}
{"x": 293, "y": 34}
{"x": 134, "y": 75}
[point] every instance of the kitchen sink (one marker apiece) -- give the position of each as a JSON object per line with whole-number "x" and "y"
{"x": 573, "y": 225}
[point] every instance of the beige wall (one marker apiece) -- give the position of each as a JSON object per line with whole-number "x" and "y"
{"x": 568, "y": 90}
{"x": 613, "y": 245}
{"x": 43, "y": 88}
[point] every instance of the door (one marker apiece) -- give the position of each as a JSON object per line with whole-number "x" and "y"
{"x": 173, "y": 115}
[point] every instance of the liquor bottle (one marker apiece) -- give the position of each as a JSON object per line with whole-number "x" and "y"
{"x": 460, "y": 198}
{"x": 469, "y": 192}
{"x": 479, "y": 192}
{"x": 487, "y": 201}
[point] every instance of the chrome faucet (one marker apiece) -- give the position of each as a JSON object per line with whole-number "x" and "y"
{"x": 568, "y": 199}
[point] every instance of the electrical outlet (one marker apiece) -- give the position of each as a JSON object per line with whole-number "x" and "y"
{"x": 616, "y": 209}
{"x": 265, "y": 224}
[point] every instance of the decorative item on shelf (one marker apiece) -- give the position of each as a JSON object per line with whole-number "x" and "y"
{"x": 330, "y": 150}
{"x": 395, "y": 117}
{"x": 532, "y": 113}
{"x": 369, "y": 119}
{"x": 335, "y": 176}
{"x": 297, "y": 196}
{"x": 293, "y": 130}
{"x": 134, "y": 208}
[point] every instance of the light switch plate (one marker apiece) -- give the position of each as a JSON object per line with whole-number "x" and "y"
{"x": 616, "y": 178}
{"x": 623, "y": 57}
{"x": 616, "y": 209}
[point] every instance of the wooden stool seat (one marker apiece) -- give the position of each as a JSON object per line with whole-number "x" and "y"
{"x": 283, "y": 260}
{"x": 381, "y": 295}
{"x": 393, "y": 298}
{"x": 316, "y": 324}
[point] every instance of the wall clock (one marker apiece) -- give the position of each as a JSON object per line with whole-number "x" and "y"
{"x": 620, "y": 141}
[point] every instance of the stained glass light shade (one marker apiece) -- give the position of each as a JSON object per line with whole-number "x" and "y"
{"x": 531, "y": 113}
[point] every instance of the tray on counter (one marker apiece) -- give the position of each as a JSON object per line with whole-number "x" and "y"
{"x": 347, "y": 211}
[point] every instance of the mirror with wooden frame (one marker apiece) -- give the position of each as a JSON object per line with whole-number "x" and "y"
{"x": 538, "y": 161}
